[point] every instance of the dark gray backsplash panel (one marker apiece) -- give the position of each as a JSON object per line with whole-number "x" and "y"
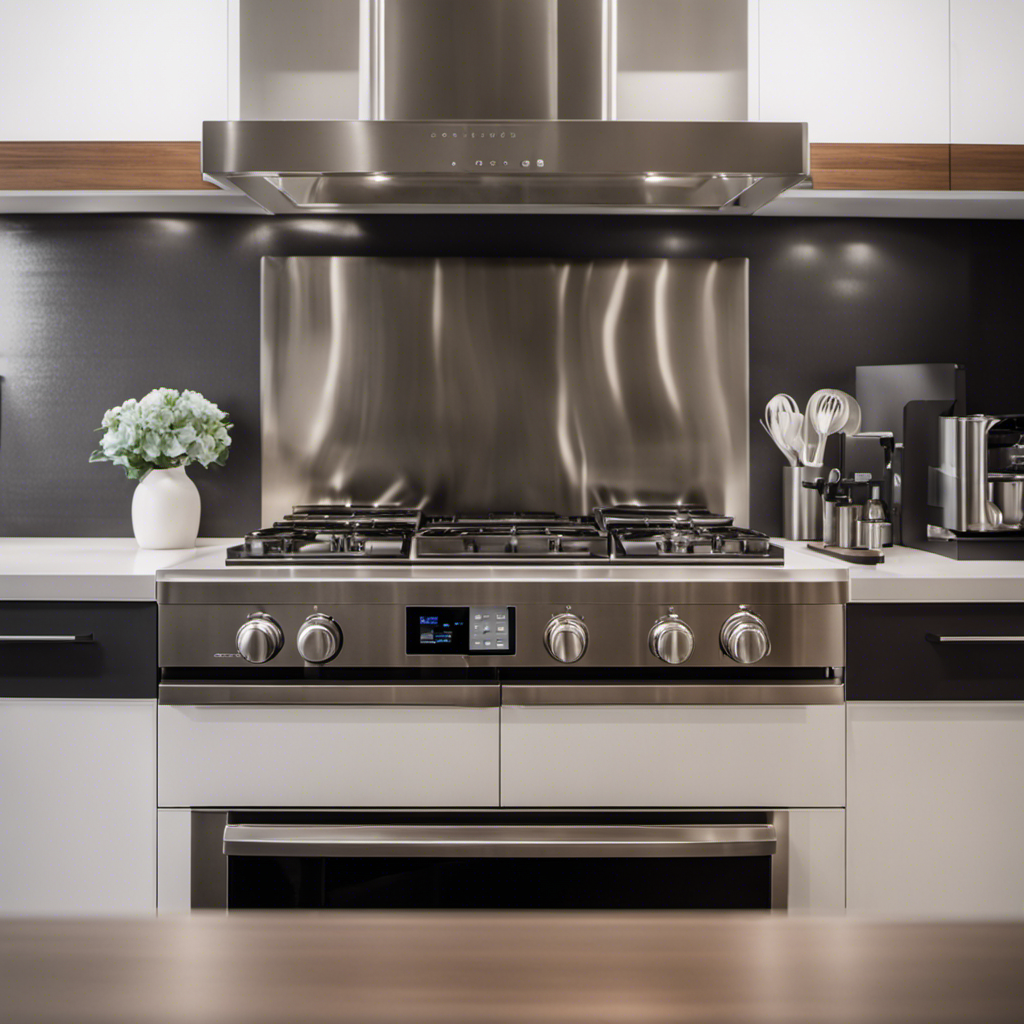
{"x": 96, "y": 309}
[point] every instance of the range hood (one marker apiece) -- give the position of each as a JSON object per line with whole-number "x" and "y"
{"x": 500, "y": 106}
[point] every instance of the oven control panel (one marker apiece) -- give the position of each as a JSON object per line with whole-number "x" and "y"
{"x": 460, "y": 629}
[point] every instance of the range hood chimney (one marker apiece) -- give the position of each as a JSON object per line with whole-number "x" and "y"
{"x": 500, "y": 106}
{"x": 484, "y": 60}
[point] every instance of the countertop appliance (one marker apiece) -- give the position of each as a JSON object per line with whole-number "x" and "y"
{"x": 482, "y": 105}
{"x": 963, "y": 464}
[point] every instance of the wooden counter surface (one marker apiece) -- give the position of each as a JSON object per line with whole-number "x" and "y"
{"x": 372, "y": 967}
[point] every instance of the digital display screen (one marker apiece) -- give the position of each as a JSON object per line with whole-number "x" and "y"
{"x": 459, "y": 630}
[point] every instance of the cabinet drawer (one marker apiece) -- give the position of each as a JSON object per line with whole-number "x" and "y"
{"x": 77, "y": 649}
{"x": 919, "y": 652}
{"x": 327, "y": 756}
{"x": 673, "y": 756}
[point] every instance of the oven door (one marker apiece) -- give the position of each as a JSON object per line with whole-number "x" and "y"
{"x": 493, "y": 860}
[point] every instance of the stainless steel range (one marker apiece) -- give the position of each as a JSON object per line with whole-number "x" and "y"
{"x": 412, "y": 690}
{"x": 332, "y": 589}
{"x": 532, "y": 712}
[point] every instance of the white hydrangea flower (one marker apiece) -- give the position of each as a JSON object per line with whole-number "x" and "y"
{"x": 163, "y": 430}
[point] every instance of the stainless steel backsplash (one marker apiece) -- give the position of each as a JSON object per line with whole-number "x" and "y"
{"x": 485, "y": 384}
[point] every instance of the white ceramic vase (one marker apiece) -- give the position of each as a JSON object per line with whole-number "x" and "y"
{"x": 165, "y": 510}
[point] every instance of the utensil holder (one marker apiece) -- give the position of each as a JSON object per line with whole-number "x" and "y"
{"x": 801, "y": 506}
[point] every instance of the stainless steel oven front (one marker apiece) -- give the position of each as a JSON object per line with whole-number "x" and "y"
{"x": 502, "y": 776}
{"x": 494, "y": 860}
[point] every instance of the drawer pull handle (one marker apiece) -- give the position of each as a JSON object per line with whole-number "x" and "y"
{"x": 83, "y": 638}
{"x": 934, "y": 638}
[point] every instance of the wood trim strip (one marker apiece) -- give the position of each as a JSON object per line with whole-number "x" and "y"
{"x": 987, "y": 168}
{"x": 99, "y": 166}
{"x": 880, "y": 166}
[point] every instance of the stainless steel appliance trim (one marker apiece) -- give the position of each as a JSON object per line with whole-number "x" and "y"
{"x": 500, "y": 840}
{"x": 83, "y": 638}
{"x": 577, "y": 694}
{"x": 934, "y": 638}
{"x": 487, "y": 585}
{"x": 207, "y": 694}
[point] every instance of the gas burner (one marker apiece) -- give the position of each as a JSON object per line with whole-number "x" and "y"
{"x": 522, "y": 535}
{"x": 716, "y": 543}
{"x": 324, "y": 534}
{"x": 338, "y": 534}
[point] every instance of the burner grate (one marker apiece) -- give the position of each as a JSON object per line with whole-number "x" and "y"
{"x": 326, "y": 534}
{"x": 523, "y": 538}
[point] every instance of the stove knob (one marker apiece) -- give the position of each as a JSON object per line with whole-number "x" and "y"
{"x": 259, "y": 639}
{"x": 745, "y": 638}
{"x": 319, "y": 639}
{"x": 671, "y": 640}
{"x": 566, "y": 638}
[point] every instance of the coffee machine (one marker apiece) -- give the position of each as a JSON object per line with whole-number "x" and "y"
{"x": 970, "y": 470}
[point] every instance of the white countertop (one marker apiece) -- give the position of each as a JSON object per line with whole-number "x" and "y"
{"x": 910, "y": 575}
{"x": 116, "y": 569}
{"x": 90, "y": 568}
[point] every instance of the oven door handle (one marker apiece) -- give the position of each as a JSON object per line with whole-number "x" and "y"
{"x": 368, "y": 694}
{"x": 575, "y": 694}
{"x": 500, "y": 840}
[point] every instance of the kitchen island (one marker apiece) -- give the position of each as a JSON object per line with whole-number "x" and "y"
{"x": 543, "y": 967}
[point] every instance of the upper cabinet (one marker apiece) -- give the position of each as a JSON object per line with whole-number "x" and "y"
{"x": 100, "y": 70}
{"x": 871, "y": 79}
{"x": 77, "y": 77}
{"x": 299, "y": 59}
{"x": 857, "y": 71}
{"x": 987, "y": 94}
{"x": 898, "y": 94}
{"x": 987, "y": 83}
{"x": 684, "y": 60}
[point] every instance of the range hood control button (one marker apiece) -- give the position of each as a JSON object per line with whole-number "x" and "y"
{"x": 566, "y": 638}
{"x": 745, "y": 638}
{"x": 671, "y": 640}
{"x": 259, "y": 639}
{"x": 319, "y": 639}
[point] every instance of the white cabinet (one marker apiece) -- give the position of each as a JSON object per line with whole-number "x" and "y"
{"x": 298, "y": 60}
{"x": 77, "y": 806}
{"x": 684, "y": 60}
{"x": 858, "y": 71}
{"x": 935, "y": 812}
{"x": 664, "y": 756}
{"x": 328, "y": 756}
{"x": 105, "y": 70}
{"x": 817, "y": 861}
{"x": 987, "y": 72}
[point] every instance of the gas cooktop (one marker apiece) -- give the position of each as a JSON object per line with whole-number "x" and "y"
{"x": 380, "y": 534}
